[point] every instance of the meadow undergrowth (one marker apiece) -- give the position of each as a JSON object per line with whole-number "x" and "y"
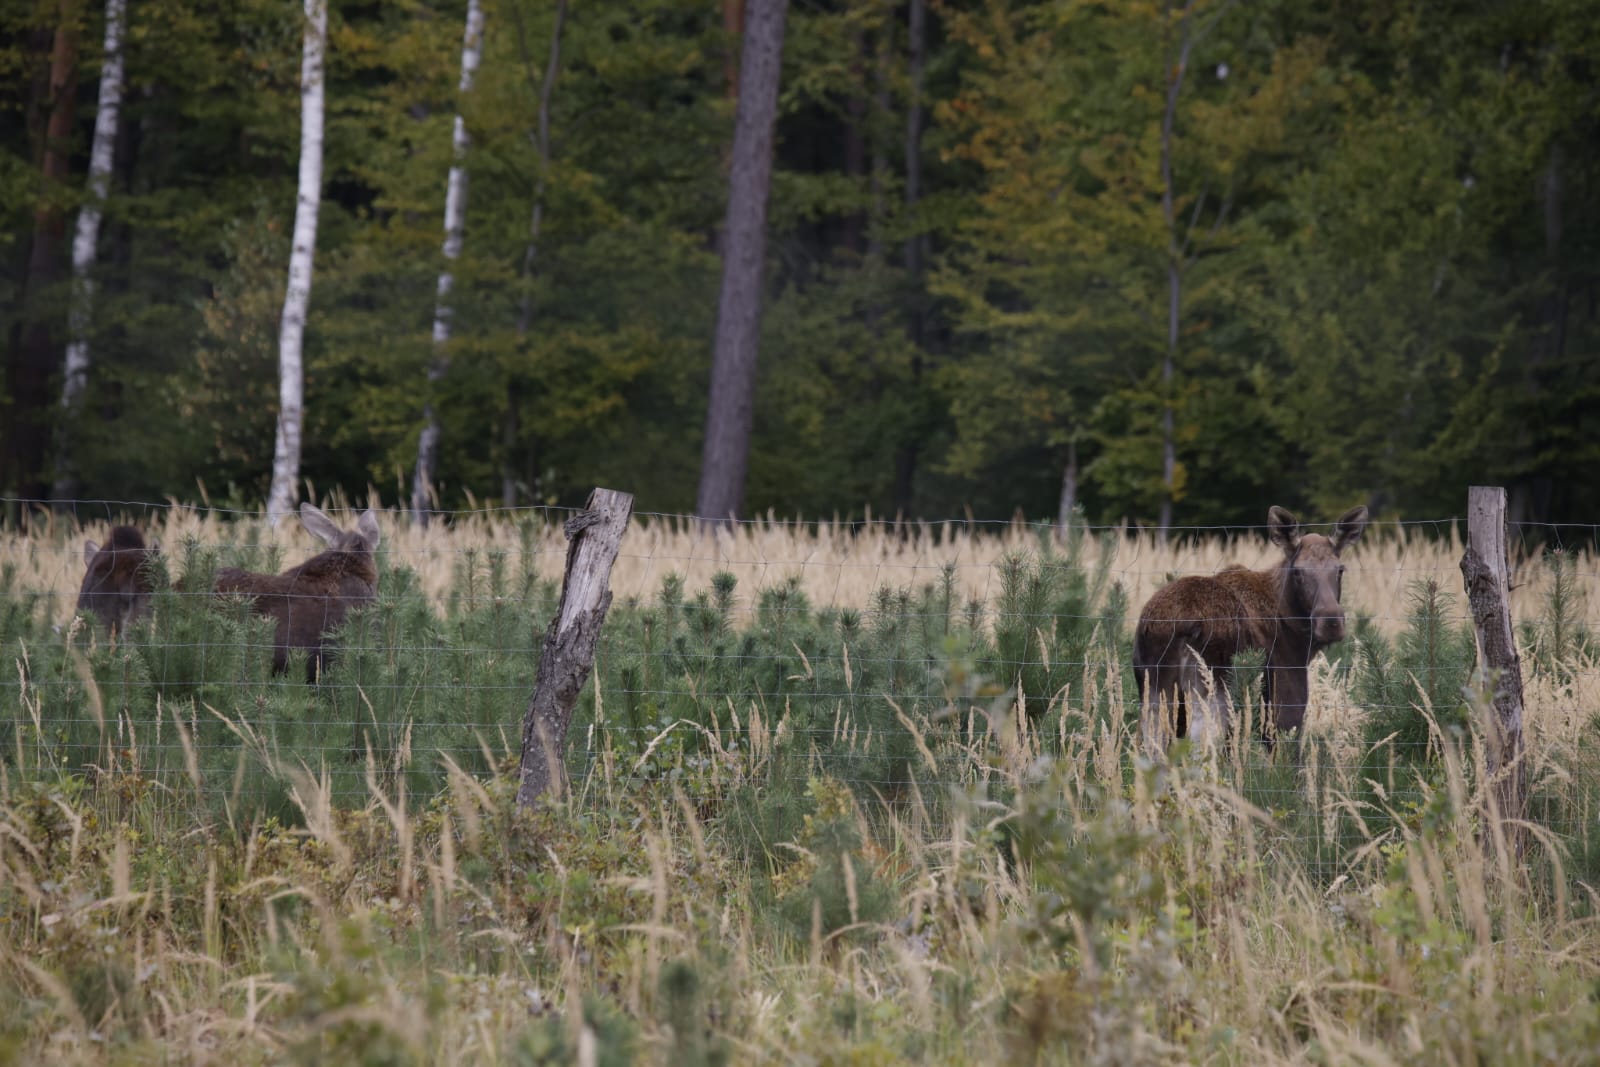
{"x": 901, "y": 822}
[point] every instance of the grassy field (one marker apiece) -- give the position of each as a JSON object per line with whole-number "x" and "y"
{"x": 839, "y": 796}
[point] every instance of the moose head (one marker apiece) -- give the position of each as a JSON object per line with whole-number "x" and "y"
{"x": 117, "y": 582}
{"x": 1312, "y": 573}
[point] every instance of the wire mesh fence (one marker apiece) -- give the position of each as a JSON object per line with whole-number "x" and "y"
{"x": 906, "y": 660}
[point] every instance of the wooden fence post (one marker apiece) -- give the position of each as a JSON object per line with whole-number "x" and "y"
{"x": 1485, "y": 570}
{"x": 593, "y": 536}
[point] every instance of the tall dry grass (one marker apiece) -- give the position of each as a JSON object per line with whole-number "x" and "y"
{"x": 1164, "y": 922}
{"x": 1036, "y": 897}
{"x": 838, "y": 565}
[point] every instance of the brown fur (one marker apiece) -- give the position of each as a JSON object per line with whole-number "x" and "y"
{"x": 311, "y": 600}
{"x": 117, "y": 583}
{"x": 1290, "y": 610}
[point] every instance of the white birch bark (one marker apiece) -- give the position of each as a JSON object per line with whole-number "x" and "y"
{"x": 292, "y": 328}
{"x": 85, "y": 244}
{"x": 455, "y": 221}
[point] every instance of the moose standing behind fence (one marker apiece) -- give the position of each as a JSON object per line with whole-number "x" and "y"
{"x": 1197, "y": 625}
{"x": 310, "y": 600}
{"x": 118, "y": 582}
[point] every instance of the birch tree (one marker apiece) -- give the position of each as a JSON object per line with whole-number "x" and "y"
{"x": 725, "y": 458}
{"x": 455, "y": 220}
{"x": 85, "y": 243}
{"x": 292, "y": 328}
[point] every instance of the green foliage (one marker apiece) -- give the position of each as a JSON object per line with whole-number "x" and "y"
{"x": 340, "y": 993}
{"x": 842, "y": 900}
{"x": 1559, "y": 637}
{"x": 1422, "y": 676}
{"x": 728, "y": 879}
{"x": 548, "y": 1041}
{"x": 1092, "y": 862}
{"x": 1054, "y": 615}
{"x": 1376, "y": 225}
{"x": 682, "y": 1007}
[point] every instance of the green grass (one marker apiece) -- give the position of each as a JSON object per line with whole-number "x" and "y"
{"x": 911, "y": 833}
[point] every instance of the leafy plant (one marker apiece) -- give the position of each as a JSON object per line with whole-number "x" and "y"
{"x": 1422, "y": 675}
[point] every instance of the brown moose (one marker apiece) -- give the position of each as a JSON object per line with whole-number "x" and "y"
{"x": 1200, "y": 623}
{"x": 118, "y": 582}
{"x": 310, "y": 600}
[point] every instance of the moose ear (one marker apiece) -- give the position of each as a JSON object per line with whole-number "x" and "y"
{"x": 1347, "y": 531}
{"x": 318, "y": 524}
{"x": 368, "y": 529}
{"x": 1283, "y": 528}
{"x": 89, "y": 550}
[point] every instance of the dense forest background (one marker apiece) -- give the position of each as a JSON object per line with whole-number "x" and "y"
{"x": 1333, "y": 252}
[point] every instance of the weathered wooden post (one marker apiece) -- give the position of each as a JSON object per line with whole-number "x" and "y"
{"x": 593, "y": 536}
{"x": 1485, "y": 570}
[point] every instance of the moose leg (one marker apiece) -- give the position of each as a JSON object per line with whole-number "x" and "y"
{"x": 1212, "y": 703}
{"x": 1288, "y": 690}
{"x": 1206, "y": 698}
{"x": 280, "y": 645}
{"x": 1160, "y": 708}
{"x": 1196, "y": 696}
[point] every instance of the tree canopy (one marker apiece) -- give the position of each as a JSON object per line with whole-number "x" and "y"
{"x": 1384, "y": 217}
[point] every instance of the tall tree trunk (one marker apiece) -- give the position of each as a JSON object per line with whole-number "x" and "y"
{"x": 455, "y": 222}
{"x": 730, "y": 412}
{"x": 916, "y": 33}
{"x": 733, "y": 30}
{"x": 1069, "y": 486}
{"x": 27, "y": 433}
{"x": 85, "y": 244}
{"x": 541, "y": 145}
{"x": 855, "y": 139}
{"x": 1530, "y": 494}
{"x": 1556, "y": 306}
{"x": 882, "y": 60}
{"x": 510, "y": 431}
{"x": 1175, "y": 70}
{"x": 906, "y": 455}
{"x": 302, "y": 253}
{"x": 1169, "y": 451}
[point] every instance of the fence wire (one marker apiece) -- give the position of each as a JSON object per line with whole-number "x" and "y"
{"x": 901, "y": 658}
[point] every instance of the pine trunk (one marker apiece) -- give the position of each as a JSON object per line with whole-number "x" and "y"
{"x": 27, "y": 427}
{"x": 855, "y": 140}
{"x": 1169, "y": 454}
{"x": 730, "y": 413}
{"x": 907, "y": 454}
{"x": 85, "y": 245}
{"x": 510, "y": 431}
{"x": 455, "y": 223}
{"x": 1530, "y": 495}
{"x": 302, "y": 253}
{"x": 733, "y": 30}
{"x": 1069, "y": 489}
{"x": 1175, "y": 69}
{"x": 884, "y": 55}
{"x": 541, "y": 143}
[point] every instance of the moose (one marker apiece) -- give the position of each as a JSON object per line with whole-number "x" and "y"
{"x": 1291, "y": 611}
{"x": 118, "y": 582}
{"x": 309, "y": 601}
